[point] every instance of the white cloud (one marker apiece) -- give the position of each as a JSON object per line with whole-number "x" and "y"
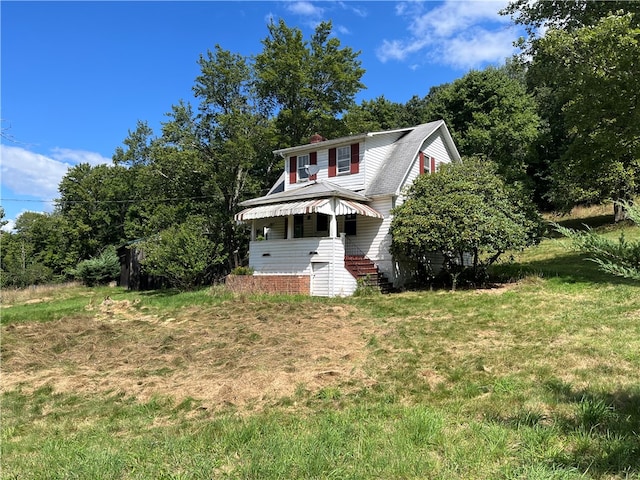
{"x": 357, "y": 10}
{"x": 341, "y": 29}
{"x": 67, "y": 155}
{"x": 478, "y": 48}
{"x": 31, "y": 174}
{"x": 306, "y": 9}
{"x": 462, "y": 34}
{"x": 9, "y": 226}
{"x": 397, "y": 49}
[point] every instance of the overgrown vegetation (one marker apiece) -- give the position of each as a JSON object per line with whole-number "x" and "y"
{"x": 537, "y": 379}
{"x": 621, "y": 258}
{"x": 467, "y": 214}
{"x": 183, "y": 254}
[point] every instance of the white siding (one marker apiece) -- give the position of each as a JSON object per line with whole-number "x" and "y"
{"x": 377, "y": 149}
{"x": 320, "y": 279}
{"x": 351, "y": 181}
{"x": 434, "y": 147}
{"x": 296, "y": 256}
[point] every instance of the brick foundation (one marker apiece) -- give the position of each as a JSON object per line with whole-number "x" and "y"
{"x": 290, "y": 284}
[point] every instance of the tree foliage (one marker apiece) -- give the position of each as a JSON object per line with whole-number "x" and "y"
{"x": 490, "y": 115}
{"x": 463, "y": 210}
{"x": 183, "y": 254}
{"x": 93, "y": 201}
{"x": 37, "y": 251}
{"x": 308, "y": 83}
{"x": 621, "y": 258}
{"x": 567, "y": 15}
{"x": 592, "y": 77}
{"x": 376, "y": 115}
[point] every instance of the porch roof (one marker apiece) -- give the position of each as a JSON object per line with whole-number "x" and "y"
{"x": 323, "y": 205}
{"x": 314, "y": 190}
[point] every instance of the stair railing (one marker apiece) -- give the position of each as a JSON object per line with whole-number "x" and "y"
{"x": 351, "y": 249}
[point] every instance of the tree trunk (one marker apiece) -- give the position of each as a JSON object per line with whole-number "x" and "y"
{"x": 619, "y": 211}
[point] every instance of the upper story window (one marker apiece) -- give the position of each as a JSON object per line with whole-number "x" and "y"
{"x": 303, "y": 174}
{"x": 343, "y": 159}
{"x": 427, "y": 163}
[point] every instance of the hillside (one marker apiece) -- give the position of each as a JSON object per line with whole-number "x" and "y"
{"x": 536, "y": 378}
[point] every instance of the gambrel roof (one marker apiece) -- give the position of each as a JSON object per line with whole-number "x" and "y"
{"x": 395, "y": 168}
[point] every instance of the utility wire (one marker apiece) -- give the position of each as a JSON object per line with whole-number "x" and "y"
{"x": 132, "y": 200}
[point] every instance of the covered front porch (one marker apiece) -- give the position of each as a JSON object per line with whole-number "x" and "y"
{"x": 307, "y": 237}
{"x": 326, "y": 217}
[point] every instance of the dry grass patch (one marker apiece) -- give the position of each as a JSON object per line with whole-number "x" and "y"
{"x": 34, "y": 294}
{"x": 242, "y": 354}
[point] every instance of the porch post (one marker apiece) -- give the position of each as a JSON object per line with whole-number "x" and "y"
{"x": 253, "y": 230}
{"x": 290, "y": 227}
{"x": 333, "y": 221}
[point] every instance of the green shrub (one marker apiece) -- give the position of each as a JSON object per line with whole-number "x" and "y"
{"x": 621, "y": 258}
{"x": 183, "y": 254}
{"x": 467, "y": 214}
{"x": 99, "y": 270}
{"x": 242, "y": 271}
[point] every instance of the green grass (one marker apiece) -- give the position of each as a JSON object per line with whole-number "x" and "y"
{"x": 539, "y": 379}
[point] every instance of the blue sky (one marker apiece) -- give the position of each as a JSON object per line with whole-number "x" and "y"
{"x": 77, "y": 76}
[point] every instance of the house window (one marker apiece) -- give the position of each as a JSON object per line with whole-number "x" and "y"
{"x": 427, "y": 163}
{"x": 322, "y": 223}
{"x": 344, "y": 159}
{"x": 303, "y": 174}
{"x": 298, "y": 226}
{"x": 350, "y": 224}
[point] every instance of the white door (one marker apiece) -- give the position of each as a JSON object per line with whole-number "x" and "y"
{"x": 320, "y": 279}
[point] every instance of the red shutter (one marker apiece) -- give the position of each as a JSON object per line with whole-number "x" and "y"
{"x": 355, "y": 158}
{"x": 293, "y": 169}
{"x": 332, "y": 162}
{"x": 433, "y": 165}
{"x": 313, "y": 160}
{"x": 421, "y": 156}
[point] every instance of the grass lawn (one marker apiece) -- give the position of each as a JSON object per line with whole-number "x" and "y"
{"x": 534, "y": 379}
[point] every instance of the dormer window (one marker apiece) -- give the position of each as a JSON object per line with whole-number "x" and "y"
{"x": 344, "y": 159}
{"x": 303, "y": 174}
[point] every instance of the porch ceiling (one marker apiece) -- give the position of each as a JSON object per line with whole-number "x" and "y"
{"x": 342, "y": 207}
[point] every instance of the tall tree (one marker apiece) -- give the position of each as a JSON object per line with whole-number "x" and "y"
{"x": 549, "y": 89}
{"x": 592, "y": 74}
{"x": 375, "y": 115}
{"x": 308, "y": 84}
{"x": 567, "y": 15}
{"x": 234, "y": 139}
{"x": 490, "y": 115}
{"x": 138, "y": 143}
{"x": 38, "y": 250}
{"x": 94, "y": 201}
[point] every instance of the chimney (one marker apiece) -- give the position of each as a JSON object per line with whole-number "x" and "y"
{"x": 316, "y": 138}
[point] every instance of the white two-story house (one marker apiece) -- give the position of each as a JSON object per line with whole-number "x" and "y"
{"x": 325, "y": 223}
